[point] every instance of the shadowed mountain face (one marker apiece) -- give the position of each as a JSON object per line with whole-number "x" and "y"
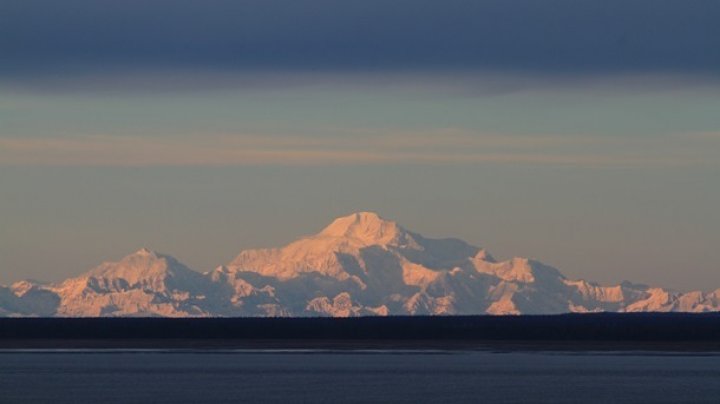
{"x": 360, "y": 264}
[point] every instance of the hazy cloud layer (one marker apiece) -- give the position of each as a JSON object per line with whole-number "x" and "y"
{"x": 433, "y": 147}
{"x": 50, "y": 41}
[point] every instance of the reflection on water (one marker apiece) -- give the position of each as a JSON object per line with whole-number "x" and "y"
{"x": 280, "y": 376}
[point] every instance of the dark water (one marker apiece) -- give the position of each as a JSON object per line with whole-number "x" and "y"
{"x": 316, "y": 377}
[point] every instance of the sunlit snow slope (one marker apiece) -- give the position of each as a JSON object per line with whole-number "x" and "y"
{"x": 360, "y": 264}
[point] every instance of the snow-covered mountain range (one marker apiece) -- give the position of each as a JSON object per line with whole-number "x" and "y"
{"x": 360, "y": 264}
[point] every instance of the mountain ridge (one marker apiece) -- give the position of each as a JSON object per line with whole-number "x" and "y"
{"x": 360, "y": 264}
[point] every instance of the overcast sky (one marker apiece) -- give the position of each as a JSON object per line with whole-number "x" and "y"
{"x": 584, "y": 134}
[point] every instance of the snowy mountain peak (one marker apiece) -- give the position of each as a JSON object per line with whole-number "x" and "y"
{"x": 368, "y": 228}
{"x": 142, "y": 264}
{"x": 142, "y": 283}
{"x": 360, "y": 264}
{"x": 145, "y": 252}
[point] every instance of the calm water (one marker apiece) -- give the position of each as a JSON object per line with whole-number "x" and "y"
{"x": 280, "y": 377}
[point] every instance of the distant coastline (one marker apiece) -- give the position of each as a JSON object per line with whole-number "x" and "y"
{"x": 602, "y": 332}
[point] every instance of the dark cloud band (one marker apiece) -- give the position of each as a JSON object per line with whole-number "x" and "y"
{"x": 41, "y": 38}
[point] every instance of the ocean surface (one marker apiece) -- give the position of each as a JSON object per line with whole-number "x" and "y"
{"x": 317, "y": 376}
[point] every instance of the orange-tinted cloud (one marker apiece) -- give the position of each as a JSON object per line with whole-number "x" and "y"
{"x": 436, "y": 147}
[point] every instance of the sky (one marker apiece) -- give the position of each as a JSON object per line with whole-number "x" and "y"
{"x": 584, "y": 134}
